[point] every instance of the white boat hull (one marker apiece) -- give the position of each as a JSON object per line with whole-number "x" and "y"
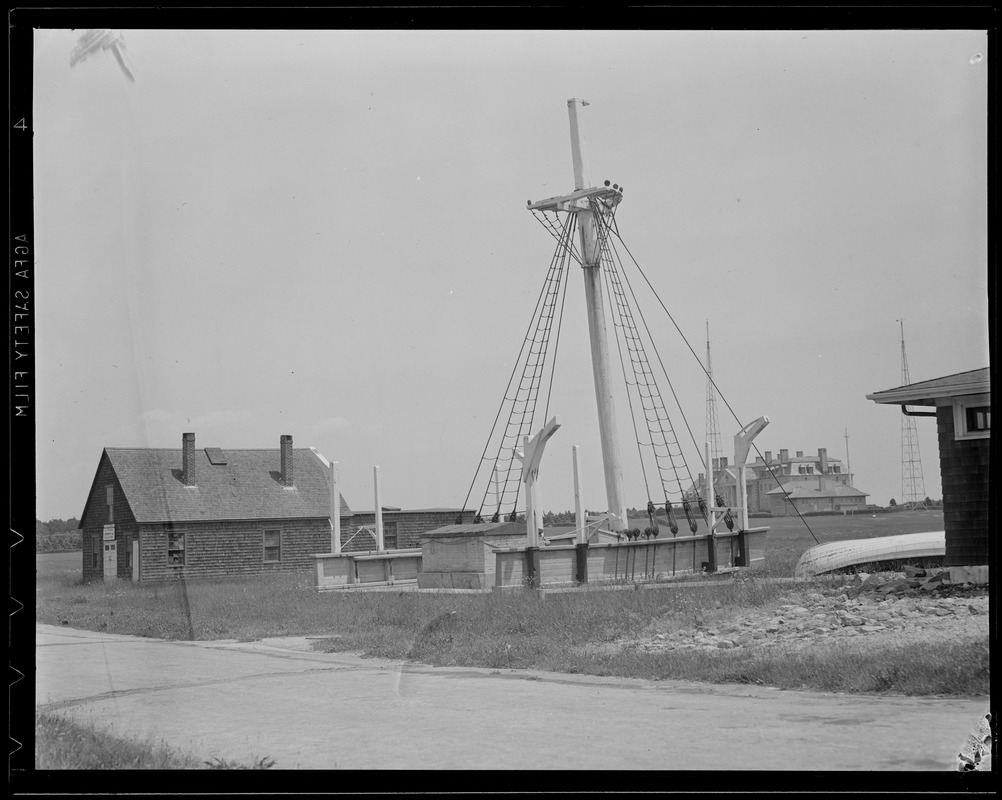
{"x": 838, "y": 555}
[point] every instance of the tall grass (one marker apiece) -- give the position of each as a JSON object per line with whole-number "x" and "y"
{"x": 287, "y": 605}
{"x": 960, "y": 669}
{"x": 61, "y": 743}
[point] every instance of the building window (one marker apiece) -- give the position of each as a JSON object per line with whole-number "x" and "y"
{"x": 272, "y": 547}
{"x": 972, "y": 417}
{"x": 111, "y": 503}
{"x": 175, "y": 549}
{"x": 978, "y": 418}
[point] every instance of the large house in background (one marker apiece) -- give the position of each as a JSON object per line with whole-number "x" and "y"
{"x": 811, "y": 484}
{"x": 157, "y": 514}
{"x": 962, "y": 408}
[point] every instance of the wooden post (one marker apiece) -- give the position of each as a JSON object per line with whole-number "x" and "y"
{"x": 531, "y": 455}
{"x": 742, "y": 443}
{"x": 379, "y": 511}
{"x": 580, "y": 523}
{"x": 528, "y": 477}
{"x": 742, "y": 498}
{"x": 711, "y": 537}
{"x": 579, "y": 518}
{"x": 335, "y": 510}
{"x": 597, "y": 333}
{"x": 530, "y": 511}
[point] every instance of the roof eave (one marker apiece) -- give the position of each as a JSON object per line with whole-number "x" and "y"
{"x": 928, "y": 397}
{"x": 229, "y": 519}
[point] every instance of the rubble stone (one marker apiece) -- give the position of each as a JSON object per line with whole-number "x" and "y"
{"x": 935, "y": 611}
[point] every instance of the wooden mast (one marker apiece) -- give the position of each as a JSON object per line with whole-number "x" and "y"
{"x": 597, "y": 333}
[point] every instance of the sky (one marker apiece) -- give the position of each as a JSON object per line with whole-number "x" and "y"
{"x": 325, "y": 234}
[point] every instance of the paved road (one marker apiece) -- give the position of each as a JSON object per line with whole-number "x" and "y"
{"x": 311, "y": 710}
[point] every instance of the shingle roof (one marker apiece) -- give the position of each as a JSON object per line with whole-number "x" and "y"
{"x": 248, "y": 486}
{"x": 975, "y": 381}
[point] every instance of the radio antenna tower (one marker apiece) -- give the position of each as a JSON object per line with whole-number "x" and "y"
{"x": 912, "y": 483}
{"x": 712, "y": 423}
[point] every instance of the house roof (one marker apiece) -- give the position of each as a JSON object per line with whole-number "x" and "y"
{"x": 478, "y": 529}
{"x": 399, "y": 510}
{"x": 801, "y": 492}
{"x": 975, "y": 381}
{"x": 247, "y": 486}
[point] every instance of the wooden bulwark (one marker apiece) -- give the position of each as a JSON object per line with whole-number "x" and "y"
{"x": 643, "y": 560}
{"x": 366, "y": 569}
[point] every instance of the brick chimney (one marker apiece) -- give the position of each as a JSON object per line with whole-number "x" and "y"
{"x": 784, "y": 455}
{"x": 188, "y": 459}
{"x": 285, "y": 445}
{"x": 768, "y": 456}
{"x": 823, "y": 458}
{"x": 800, "y": 454}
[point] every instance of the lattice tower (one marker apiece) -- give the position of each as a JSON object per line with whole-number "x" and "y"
{"x": 912, "y": 482}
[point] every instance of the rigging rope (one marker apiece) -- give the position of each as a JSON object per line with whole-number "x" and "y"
{"x": 661, "y": 438}
{"x": 523, "y": 400}
{"x": 662, "y": 443}
{"x": 614, "y": 230}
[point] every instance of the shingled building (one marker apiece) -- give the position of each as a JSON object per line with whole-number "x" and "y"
{"x": 158, "y": 514}
{"x": 963, "y": 412}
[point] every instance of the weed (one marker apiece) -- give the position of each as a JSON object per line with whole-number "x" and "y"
{"x": 258, "y": 763}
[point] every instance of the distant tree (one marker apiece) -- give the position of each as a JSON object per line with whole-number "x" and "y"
{"x": 57, "y": 535}
{"x": 893, "y": 502}
{"x": 56, "y": 525}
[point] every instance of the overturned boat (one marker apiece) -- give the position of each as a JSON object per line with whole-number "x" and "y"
{"x": 839, "y": 555}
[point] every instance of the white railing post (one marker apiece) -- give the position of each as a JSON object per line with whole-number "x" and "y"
{"x": 335, "y": 511}
{"x": 579, "y": 518}
{"x": 379, "y": 511}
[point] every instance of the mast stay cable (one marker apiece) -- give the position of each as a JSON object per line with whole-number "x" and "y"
{"x": 614, "y": 230}
{"x": 523, "y": 398}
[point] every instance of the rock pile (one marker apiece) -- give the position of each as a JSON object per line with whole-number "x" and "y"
{"x": 912, "y": 580}
{"x": 894, "y": 608}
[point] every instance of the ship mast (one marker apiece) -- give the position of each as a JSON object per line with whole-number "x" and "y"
{"x": 597, "y": 332}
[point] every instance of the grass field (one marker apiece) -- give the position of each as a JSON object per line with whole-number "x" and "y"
{"x": 564, "y": 633}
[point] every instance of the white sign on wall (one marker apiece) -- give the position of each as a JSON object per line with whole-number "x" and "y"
{"x": 109, "y": 532}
